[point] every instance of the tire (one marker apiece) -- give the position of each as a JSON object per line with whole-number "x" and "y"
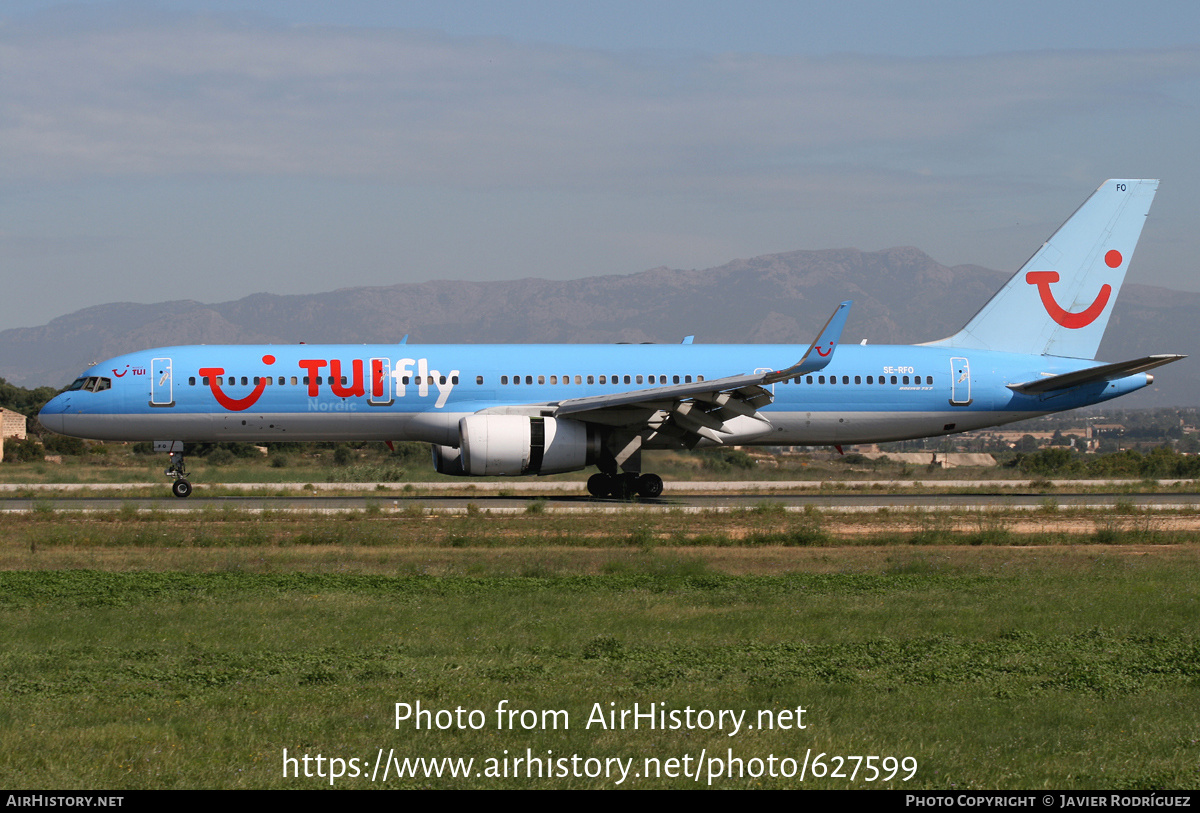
{"x": 649, "y": 486}
{"x": 599, "y": 485}
{"x": 181, "y": 489}
{"x": 625, "y": 486}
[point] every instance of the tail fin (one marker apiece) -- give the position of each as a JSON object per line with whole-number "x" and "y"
{"x": 1059, "y": 302}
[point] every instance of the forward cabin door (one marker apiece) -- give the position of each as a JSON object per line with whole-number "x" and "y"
{"x": 162, "y": 388}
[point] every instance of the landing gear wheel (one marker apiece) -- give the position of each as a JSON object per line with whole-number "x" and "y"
{"x": 181, "y": 489}
{"x": 625, "y": 486}
{"x": 600, "y": 485}
{"x": 649, "y": 486}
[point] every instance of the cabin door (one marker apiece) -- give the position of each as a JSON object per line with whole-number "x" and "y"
{"x": 960, "y": 382}
{"x": 162, "y": 390}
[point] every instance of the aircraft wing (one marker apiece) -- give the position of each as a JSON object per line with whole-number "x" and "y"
{"x": 1104, "y": 372}
{"x": 721, "y": 410}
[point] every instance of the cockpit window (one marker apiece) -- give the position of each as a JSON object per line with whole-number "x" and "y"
{"x": 90, "y": 384}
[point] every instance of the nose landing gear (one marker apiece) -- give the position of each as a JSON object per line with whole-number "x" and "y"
{"x": 181, "y": 487}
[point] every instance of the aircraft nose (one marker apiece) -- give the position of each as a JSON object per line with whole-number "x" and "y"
{"x": 51, "y": 415}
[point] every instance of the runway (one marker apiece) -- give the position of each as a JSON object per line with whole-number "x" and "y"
{"x": 848, "y": 497}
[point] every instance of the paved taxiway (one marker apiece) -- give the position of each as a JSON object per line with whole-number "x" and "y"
{"x": 566, "y": 497}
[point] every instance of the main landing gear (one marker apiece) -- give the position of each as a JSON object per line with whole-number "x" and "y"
{"x": 181, "y": 487}
{"x": 625, "y": 485}
{"x": 620, "y": 464}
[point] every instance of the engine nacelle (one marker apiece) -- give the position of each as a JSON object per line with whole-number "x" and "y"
{"x": 447, "y": 460}
{"x": 521, "y": 444}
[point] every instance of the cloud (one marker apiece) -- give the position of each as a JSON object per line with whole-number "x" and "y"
{"x": 174, "y": 97}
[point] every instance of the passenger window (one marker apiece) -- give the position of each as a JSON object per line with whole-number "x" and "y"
{"x": 191, "y": 381}
{"x": 204, "y": 380}
{"x": 529, "y": 379}
{"x": 627, "y": 381}
{"x": 929, "y": 379}
{"x": 503, "y": 379}
{"x": 858, "y": 379}
{"x": 845, "y": 379}
{"x": 905, "y": 380}
{"x": 639, "y": 379}
{"x": 699, "y": 378}
{"x": 541, "y": 379}
{"x": 687, "y": 379}
{"x": 591, "y": 379}
{"x": 553, "y": 379}
{"x": 893, "y": 379}
{"x": 603, "y": 379}
{"x": 675, "y": 379}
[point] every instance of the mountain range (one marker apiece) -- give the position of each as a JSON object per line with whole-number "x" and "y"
{"x": 900, "y": 296}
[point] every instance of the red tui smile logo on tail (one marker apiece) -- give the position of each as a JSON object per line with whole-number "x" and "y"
{"x": 234, "y": 404}
{"x": 1066, "y": 318}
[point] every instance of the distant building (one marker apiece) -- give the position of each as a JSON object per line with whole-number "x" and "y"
{"x": 12, "y": 425}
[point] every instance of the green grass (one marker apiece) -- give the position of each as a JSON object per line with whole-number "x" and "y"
{"x": 1079, "y": 674}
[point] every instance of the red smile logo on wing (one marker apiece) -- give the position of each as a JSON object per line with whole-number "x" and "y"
{"x": 1066, "y": 318}
{"x": 235, "y": 404}
{"x": 824, "y": 353}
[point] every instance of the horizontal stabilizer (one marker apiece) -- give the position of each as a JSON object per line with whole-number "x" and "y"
{"x": 1105, "y": 372}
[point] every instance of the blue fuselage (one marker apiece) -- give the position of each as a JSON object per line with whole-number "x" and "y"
{"x": 413, "y": 392}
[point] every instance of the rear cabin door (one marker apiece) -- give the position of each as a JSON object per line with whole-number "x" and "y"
{"x": 960, "y": 382}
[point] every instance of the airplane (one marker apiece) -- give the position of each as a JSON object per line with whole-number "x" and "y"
{"x": 515, "y": 410}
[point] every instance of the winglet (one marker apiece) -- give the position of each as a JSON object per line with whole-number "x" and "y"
{"x": 820, "y": 353}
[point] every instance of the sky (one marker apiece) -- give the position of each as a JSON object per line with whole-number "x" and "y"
{"x": 170, "y": 149}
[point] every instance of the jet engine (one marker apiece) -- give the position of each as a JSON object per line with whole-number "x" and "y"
{"x": 517, "y": 444}
{"x": 447, "y": 460}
